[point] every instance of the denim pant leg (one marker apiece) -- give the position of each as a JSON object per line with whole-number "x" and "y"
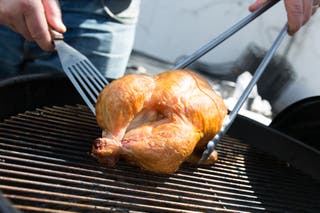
{"x": 104, "y": 40}
{"x": 11, "y": 52}
{"x": 107, "y": 43}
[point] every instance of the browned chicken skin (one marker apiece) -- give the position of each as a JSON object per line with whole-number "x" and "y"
{"x": 157, "y": 122}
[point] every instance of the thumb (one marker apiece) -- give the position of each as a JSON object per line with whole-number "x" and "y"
{"x": 257, "y": 4}
{"x": 53, "y": 15}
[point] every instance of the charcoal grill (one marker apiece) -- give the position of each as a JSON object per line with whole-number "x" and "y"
{"x": 46, "y": 166}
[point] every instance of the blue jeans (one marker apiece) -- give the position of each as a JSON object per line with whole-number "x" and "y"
{"x": 103, "y": 37}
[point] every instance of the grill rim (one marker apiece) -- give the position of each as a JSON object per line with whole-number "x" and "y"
{"x": 277, "y": 144}
{"x": 28, "y": 96}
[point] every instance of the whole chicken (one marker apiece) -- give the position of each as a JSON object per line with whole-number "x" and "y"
{"x": 157, "y": 122}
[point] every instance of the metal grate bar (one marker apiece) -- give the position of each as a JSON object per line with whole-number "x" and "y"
{"x": 127, "y": 193}
{"x": 58, "y": 122}
{"x": 69, "y": 117}
{"x": 55, "y": 177}
{"x": 17, "y": 122}
{"x": 221, "y": 184}
{"x": 112, "y": 198}
{"x": 141, "y": 189}
{"x": 45, "y": 165}
{"x": 225, "y": 174}
{"x": 27, "y": 208}
{"x": 225, "y": 180}
{"x": 126, "y": 185}
{"x": 119, "y": 175}
{"x": 176, "y": 187}
{"x": 228, "y": 179}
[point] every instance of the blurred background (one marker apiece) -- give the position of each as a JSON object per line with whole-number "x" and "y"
{"x": 169, "y": 30}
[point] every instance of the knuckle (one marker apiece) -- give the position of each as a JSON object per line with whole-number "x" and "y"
{"x": 5, "y": 15}
{"x": 306, "y": 19}
{"x": 46, "y": 47}
{"x": 26, "y": 5}
{"x": 38, "y": 36}
{"x": 2, "y": 12}
{"x": 296, "y": 10}
{"x": 293, "y": 29}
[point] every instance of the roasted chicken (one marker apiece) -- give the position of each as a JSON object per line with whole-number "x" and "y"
{"x": 157, "y": 122}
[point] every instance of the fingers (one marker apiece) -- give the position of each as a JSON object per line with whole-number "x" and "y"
{"x": 315, "y": 6}
{"x": 20, "y": 27}
{"x": 31, "y": 19}
{"x": 295, "y": 15}
{"x": 256, "y": 5}
{"x": 53, "y": 15}
{"x": 24, "y": 30}
{"x": 298, "y": 13}
{"x": 11, "y": 17}
{"x": 307, "y": 10}
{"x": 37, "y": 24}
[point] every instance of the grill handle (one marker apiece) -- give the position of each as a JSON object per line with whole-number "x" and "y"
{"x": 223, "y": 36}
{"x": 232, "y": 115}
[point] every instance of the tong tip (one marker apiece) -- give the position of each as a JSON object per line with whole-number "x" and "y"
{"x": 210, "y": 147}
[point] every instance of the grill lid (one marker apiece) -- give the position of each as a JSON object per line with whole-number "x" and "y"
{"x": 45, "y": 166}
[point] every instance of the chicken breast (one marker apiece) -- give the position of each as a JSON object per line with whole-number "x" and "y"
{"x": 157, "y": 122}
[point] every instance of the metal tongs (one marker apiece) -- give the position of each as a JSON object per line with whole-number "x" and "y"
{"x": 229, "y": 119}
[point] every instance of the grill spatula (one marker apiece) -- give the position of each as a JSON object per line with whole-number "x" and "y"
{"x": 86, "y": 78}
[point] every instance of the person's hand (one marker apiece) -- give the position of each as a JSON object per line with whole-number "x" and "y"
{"x": 32, "y": 18}
{"x": 298, "y": 12}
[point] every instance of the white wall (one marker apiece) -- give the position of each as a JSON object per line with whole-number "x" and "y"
{"x": 169, "y": 29}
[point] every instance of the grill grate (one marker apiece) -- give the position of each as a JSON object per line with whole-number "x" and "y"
{"x": 45, "y": 166}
